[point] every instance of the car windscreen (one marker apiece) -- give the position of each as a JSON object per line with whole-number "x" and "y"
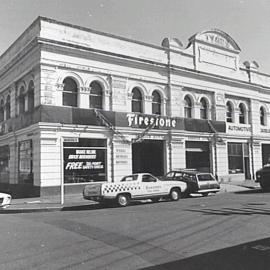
{"x": 205, "y": 177}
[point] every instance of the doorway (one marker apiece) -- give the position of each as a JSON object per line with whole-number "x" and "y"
{"x": 148, "y": 156}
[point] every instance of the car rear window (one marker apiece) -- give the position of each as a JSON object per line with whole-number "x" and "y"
{"x": 130, "y": 178}
{"x": 205, "y": 177}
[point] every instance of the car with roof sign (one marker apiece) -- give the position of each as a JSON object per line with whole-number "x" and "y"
{"x": 136, "y": 186}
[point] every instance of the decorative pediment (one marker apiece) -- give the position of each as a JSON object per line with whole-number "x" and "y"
{"x": 217, "y": 38}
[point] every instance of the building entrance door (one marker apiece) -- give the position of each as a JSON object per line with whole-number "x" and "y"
{"x": 265, "y": 153}
{"x": 198, "y": 156}
{"x": 148, "y": 156}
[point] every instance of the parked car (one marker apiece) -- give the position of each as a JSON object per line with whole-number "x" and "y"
{"x": 197, "y": 182}
{"x": 5, "y": 200}
{"x": 134, "y": 187}
{"x": 263, "y": 177}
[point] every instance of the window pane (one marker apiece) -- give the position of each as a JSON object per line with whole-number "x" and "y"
{"x": 188, "y": 107}
{"x": 70, "y": 92}
{"x": 235, "y": 157}
{"x": 95, "y": 95}
{"x": 156, "y": 103}
{"x": 136, "y": 100}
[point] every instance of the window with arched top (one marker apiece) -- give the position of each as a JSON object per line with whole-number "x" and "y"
{"x": 156, "y": 103}
{"x": 7, "y": 107}
{"x": 242, "y": 114}
{"x": 21, "y": 100}
{"x": 263, "y": 116}
{"x": 70, "y": 92}
{"x": 136, "y": 105}
{"x": 203, "y": 109}
{"x": 95, "y": 98}
{"x": 229, "y": 112}
{"x": 31, "y": 96}
{"x": 188, "y": 107}
{"x": 2, "y": 110}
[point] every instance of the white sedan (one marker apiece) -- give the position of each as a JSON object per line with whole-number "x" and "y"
{"x": 5, "y": 200}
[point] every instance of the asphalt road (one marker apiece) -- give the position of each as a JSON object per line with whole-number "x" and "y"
{"x": 223, "y": 231}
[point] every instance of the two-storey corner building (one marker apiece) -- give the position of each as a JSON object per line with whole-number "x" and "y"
{"x": 78, "y": 105}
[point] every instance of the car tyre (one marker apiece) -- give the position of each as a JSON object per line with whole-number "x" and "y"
{"x": 123, "y": 200}
{"x": 175, "y": 194}
{"x": 205, "y": 194}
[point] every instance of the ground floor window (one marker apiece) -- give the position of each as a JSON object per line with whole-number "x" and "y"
{"x": 4, "y": 164}
{"x": 85, "y": 160}
{"x": 26, "y": 162}
{"x": 238, "y": 158}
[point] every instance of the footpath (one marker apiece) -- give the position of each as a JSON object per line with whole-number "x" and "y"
{"x": 76, "y": 201}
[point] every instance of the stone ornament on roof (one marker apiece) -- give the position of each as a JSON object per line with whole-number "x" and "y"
{"x": 216, "y": 37}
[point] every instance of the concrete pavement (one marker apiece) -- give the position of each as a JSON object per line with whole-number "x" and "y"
{"x": 76, "y": 200}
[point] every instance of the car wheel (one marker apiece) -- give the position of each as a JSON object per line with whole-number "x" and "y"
{"x": 122, "y": 200}
{"x": 175, "y": 194}
{"x": 205, "y": 194}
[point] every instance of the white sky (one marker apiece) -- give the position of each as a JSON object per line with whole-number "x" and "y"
{"x": 246, "y": 21}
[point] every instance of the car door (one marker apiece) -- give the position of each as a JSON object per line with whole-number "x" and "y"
{"x": 151, "y": 186}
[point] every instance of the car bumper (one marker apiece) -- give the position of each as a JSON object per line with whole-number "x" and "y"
{"x": 213, "y": 190}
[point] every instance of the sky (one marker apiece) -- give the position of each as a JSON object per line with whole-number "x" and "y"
{"x": 150, "y": 21}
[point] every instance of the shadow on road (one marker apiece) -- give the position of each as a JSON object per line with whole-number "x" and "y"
{"x": 249, "y": 209}
{"x": 248, "y": 256}
{"x": 251, "y": 191}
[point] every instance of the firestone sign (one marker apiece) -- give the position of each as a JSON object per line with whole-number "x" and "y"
{"x": 135, "y": 120}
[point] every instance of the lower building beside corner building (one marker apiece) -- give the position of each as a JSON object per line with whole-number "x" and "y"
{"x": 80, "y": 106}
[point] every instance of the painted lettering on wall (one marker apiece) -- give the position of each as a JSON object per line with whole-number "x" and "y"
{"x": 241, "y": 129}
{"x": 144, "y": 120}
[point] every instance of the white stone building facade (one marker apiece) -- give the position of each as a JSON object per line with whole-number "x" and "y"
{"x": 78, "y": 105}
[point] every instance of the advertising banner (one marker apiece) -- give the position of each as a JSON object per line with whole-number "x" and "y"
{"x": 84, "y": 165}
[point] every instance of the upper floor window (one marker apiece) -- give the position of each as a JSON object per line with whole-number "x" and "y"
{"x": 242, "y": 114}
{"x": 70, "y": 92}
{"x": 136, "y": 100}
{"x": 31, "y": 97}
{"x": 263, "y": 116}
{"x": 2, "y": 110}
{"x": 156, "y": 103}
{"x": 8, "y": 107}
{"x": 21, "y": 100}
{"x": 203, "y": 109}
{"x": 95, "y": 95}
{"x": 229, "y": 112}
{"x": 188, "y": 107}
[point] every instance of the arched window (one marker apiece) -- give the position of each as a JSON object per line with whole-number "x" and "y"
{"x": 31, "y": 97}
{"x": 229, "y": 112}
{"x": 203, "y": 109}
{"x": 8, "y": 107}
{"x": 21, "y": 100}
{"x": 263, "y": 116}
{"x": 136, "y": 100}
{"x": 156, "y": 103}
{"x": 188, "y": 107}
{"x": 70, "y": 92}
{"x": 242, "y": 114}
{"x": 95, "y": 95}
{"x": 2, "y": 110}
